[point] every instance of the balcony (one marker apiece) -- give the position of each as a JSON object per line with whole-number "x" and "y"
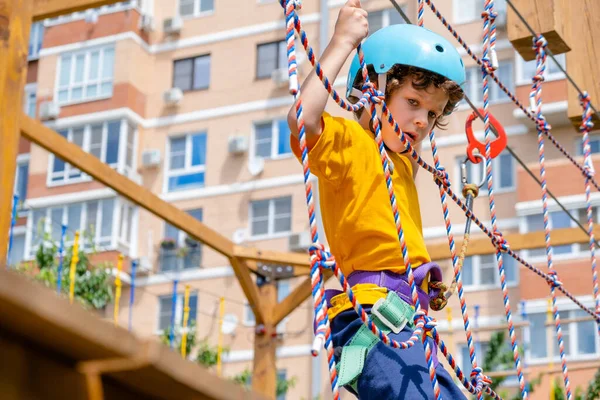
{"x": 181, "y": 258}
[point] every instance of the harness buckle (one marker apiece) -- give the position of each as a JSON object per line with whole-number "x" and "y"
{"x": 375, "y": 311}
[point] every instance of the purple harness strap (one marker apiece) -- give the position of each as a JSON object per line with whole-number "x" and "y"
{"x": 395, "y": 282}
{"x": 399, "y": 284}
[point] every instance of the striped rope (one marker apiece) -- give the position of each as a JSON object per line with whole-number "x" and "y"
{"x": 514, "y": 99}
{"x": 420, "y": 13}
{"x": 586, "y": 126}
{"x": 488, "y": 67}
{"x": 322, "y": 259}
{"x": 535, "y": 98}
{"x": 457, "y": 268}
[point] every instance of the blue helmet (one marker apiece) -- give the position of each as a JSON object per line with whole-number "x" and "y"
{"x": 409, "y": 45}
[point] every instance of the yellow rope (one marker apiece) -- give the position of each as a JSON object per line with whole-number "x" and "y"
{"x": 186, "y": 314}
{"x": 118, "y": 289}
{"x": 74, "y": 261}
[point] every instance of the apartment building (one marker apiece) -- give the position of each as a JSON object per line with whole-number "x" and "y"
{"x": 189, "y": 99}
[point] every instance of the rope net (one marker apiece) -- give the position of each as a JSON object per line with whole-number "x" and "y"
{"x": 477, "y": 383}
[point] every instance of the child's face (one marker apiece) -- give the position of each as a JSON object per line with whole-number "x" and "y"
{"x": 415, "y": 111}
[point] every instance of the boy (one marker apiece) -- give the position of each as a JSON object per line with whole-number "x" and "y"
{"x": 422, "y": 74}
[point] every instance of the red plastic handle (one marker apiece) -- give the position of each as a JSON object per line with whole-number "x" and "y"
{"x": 497, "y": 145}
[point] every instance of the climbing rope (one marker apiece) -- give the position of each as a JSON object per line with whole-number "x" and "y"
{"x": 321, "y": 259}
{"x": 535, "y": 98}
{"x": 586, "y": 126}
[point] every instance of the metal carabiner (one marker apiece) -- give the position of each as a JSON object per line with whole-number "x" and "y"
{"x": 463, "y": 169}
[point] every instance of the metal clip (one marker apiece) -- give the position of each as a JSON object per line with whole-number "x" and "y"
{"x": 463, "y": 169}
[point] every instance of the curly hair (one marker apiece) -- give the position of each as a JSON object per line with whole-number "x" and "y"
{"x": 421, "y": 79}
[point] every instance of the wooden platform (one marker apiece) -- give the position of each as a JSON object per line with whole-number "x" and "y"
{"x": 50, "y": 349}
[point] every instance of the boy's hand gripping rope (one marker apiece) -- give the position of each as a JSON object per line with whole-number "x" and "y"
{"x": 535, "y": 97}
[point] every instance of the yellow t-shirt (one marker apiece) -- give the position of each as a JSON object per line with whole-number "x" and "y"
{"x": 355, "y": 203}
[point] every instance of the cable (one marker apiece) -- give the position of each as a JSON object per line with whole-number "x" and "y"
{"x": 510, "y": 150}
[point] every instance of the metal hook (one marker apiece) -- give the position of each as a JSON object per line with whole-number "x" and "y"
{"x": 463, "y": 169}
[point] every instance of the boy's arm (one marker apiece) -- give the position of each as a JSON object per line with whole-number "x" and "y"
{"x": 351, "y": 27}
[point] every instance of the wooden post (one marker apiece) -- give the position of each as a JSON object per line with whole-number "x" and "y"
{"x": 15, "y": 23}
{"x": 264, "y": 371}
{"x": 583, "y": 62}
{"x": 544, "y": 16}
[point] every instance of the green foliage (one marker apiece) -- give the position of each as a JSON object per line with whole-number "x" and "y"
{"x": 92, "y": 283}
{"x": 283, "y": 385}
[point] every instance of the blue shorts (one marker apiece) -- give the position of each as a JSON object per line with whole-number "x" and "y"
{"x": 393, "y": 373}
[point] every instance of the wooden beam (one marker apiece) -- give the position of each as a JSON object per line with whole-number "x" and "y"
{"x": 73, "y": 154}
{"x": 53, "y": 8}
{"x": 544, "y": 16}
{"x": 295, "y": 298}
{"x": 249, "y": 288}
{"x": 272, "y": 257}
{"x": 15, "y": 24}
{"x": 264, "y": 371}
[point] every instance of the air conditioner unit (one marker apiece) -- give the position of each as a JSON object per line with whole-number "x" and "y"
{"x": 280, "y": 77}
{"x": 173, "y": 25}
{"x": 299, "y": 241}
{"x": 49, "y": 110}
{"x": 237, "y": 144}
{"x": 173, "y": 96}
{"x": 150, "y": 158}
{"x": 147, "y": 23}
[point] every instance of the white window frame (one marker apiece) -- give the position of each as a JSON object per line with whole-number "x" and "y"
{"x": 99, "y": 81}
{"x": 572, "y": 336}
{"x": 21, "y": 160}
{"x": 270, "y": 218}
{"x": 178, "y": 308}
{"x": 459, "y": 6}
{"x": 594, "y": 137}
{"x": 274, "y": 140}
{"x": 188, "y": 168}
{"x": 116, "y": 242}
{"x": 249, "y": 319}
{"x": 477, "y": 286}
{"x": 521, "y": 80}
{"x": 496, "y": 95}
{"x": 197, "y": 13}
{"x": 36, "y": 36}
{"x": 578, "y": 250}
{"x": 18, "y": 231}
{"x": 496, "y": 172}
{"x": 121, "y": 164}
{"x": 30, "y": 90}
{"x": 385, "y": 15}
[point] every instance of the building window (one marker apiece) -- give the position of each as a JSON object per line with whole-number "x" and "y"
{"x": 503, "y": 173}
{"x": 281, "y": 377}
{"x": 192, "y": 73}
{"x": 482, "y": 271}
{"x": 30, "y": 99}
{"x": 186, "y": 253}
{"x": 270, "y": 57}
{"x": 594, "y": 145}
{"x": 165, "y": 313}
{"x": 558, "y": 220}
{"x": 36, "y": 37}
{"x": 466, "y": 11}
{"x": 383, "y": 18}
{"x": 580, "y": 338}
{"x": 187, "y": 162}
{"x": 526, "y": 70}
{"x": 481, "y": 349}
{"x": 272, "y": 139}
{"x": 17, "y": 252}
{"x": 473, "y": 82}
{"x": 268, "y": 217}
{"x": 112, "y": 142}
{"x": 86, "y": 75}
{"x": 100, "y": 223}
{"x": 196, "y": 8}
{"x": 21, "y": 181}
